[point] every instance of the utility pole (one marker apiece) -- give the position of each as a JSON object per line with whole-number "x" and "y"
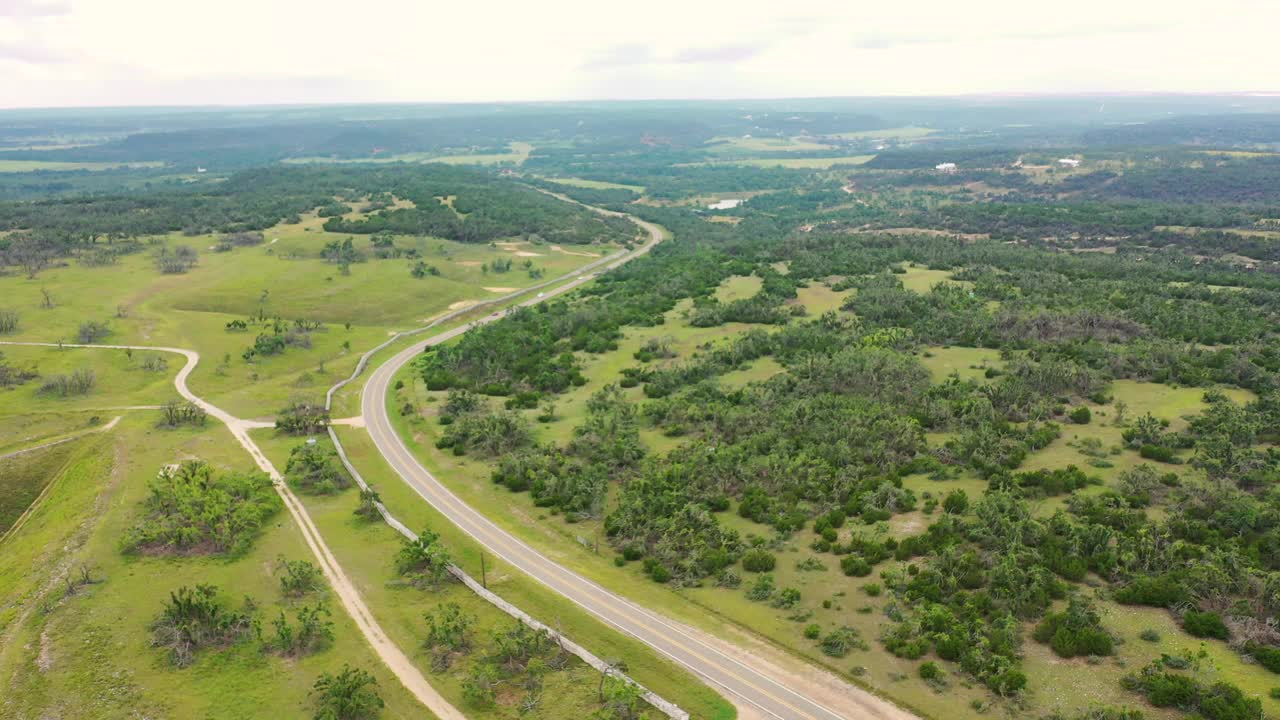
{"x": 484, "y": 580}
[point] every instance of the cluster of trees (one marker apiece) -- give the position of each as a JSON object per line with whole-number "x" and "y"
{"x": 193, "y": 509}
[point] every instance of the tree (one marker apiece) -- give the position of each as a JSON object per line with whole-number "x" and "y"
{"x": 619, "y": 700}
{"x": 349, "y": 695}
{"x": 30, "y": 252}
{"x": 91, "y": 331}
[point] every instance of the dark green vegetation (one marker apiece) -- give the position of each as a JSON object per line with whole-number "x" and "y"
{"x": 193, "y": 508}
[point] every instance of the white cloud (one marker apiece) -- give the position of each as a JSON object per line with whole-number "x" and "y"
{"x": 54, "y": 52}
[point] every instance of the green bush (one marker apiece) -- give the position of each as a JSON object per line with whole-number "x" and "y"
{"x": 1081, "y": 415}
{"x": 1205, "y": 625}
{"x": 758, "y": 560}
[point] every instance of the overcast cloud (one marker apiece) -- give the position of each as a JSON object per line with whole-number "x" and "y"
{"x": 130, "y": 52}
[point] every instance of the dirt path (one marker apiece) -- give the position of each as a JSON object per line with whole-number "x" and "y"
{"x": 391, "y": 655}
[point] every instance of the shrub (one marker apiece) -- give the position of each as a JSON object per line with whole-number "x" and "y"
{"x": 8, "y": 321}
{"x": 1266, "y": 655}
{"x": 871, "y": 589}
{"x": 79, "y": 382}
{"x": 1081, "y": 415}
{"x": 1205, "y": 624}
{"x": 812, "y": 631}
{"x": 177, "y": 413}
{"x": 1074, "y": 632}
{"x": 314, "y": 468}
{"x": 303, "y": 417}
{"x": 312, "y": 633}
{"x": 424, "y": 560}
{"x": 350, "y": 695}
{"x": 1154, "y": 590}
{"x": 91, "y": 331}
{"x": 840, "y": 642}
{"x": 1149, "y": 635}
{"x": 761, "y": 589}
{"x": 930, "y": 672}
{"x": 298, "y": 577}
{"x": 788, "y": 598}
{"x": 855, "y": 566}
{"x": 758, "y": 560}
{"x": 194, "y": 619}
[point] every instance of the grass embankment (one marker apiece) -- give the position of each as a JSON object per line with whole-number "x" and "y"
{"x": 88, "y": 654}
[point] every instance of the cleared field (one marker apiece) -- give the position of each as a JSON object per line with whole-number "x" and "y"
{"x": 968, "y": 363}
{"x": 739, "y": 287}
{"x": 818, "y": 298}
{"x": 907, "y": 132}
{"x": 18, "y": 166}
{"x": 595, "y": 184}
{"x": 822, "y": 163}
{"x": 751, "y": 144}
{"x": 518, "y": 154}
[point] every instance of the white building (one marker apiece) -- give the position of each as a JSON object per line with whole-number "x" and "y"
{"x": 1069, "y": 162}
{"x": 946, "y": 167}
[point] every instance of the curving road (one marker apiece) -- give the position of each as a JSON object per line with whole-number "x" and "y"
{"x": 758, "y": 687}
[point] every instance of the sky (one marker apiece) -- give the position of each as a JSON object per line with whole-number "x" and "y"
{"x": 56, "y": 53}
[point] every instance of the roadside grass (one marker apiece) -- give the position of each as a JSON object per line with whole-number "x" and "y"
{"x": 23, "y": 477}
{"x": 95, "y": 643}
{"x": 367, "y": 550}
{"x": 352, "y": 541}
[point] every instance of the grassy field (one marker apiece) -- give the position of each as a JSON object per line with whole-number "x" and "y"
{"x": 18, "y": 166}
{"x": 907, "y": 132}
{"x": 922, "y": 279}
{"x": 739, "y": 287}
{"x": 284, "y": 277}
{"x": 747, "y": 144}
{"x": 820, "y": 163}
{"x": 87, "y": 654}
{"x": 519, "y": 152}
{"x": 818, "y": 298}
{"x": 594, "y": 184}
